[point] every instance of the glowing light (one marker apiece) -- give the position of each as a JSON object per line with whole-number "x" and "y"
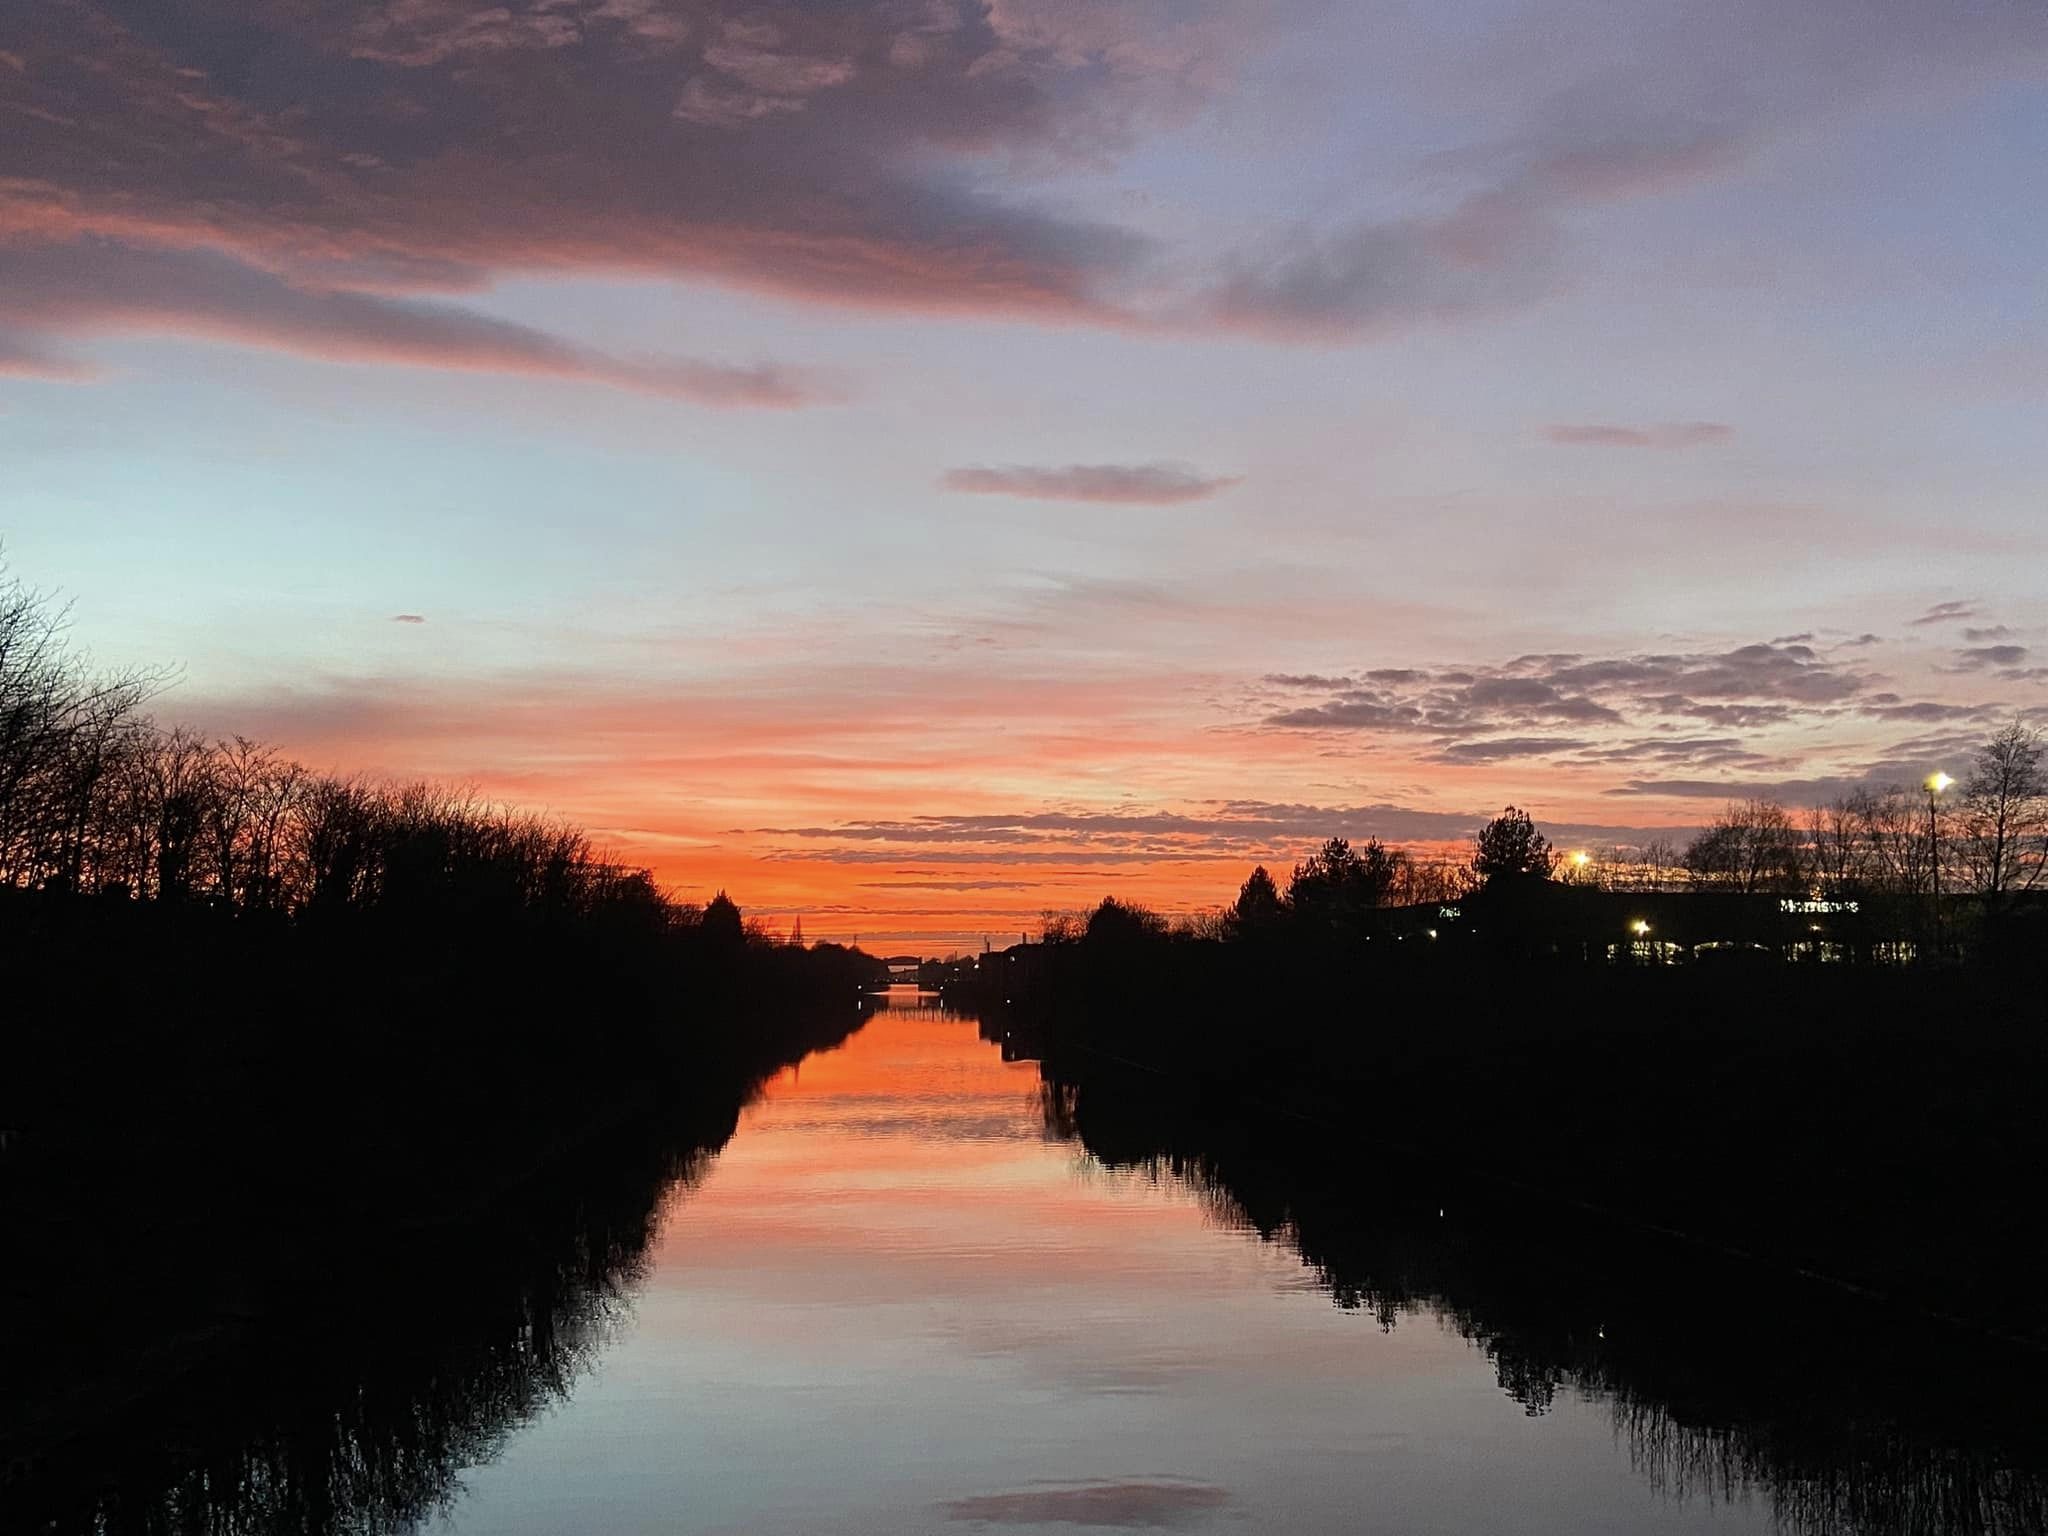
{"x": 1581, "y": 859}
{"x": 1639, "y": 928}
{"x": 1937, "y": 782}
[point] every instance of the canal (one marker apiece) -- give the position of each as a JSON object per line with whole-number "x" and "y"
{"x": 901, "y": 1300}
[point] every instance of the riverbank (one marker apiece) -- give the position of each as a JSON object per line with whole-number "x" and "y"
{"x": 1877, "y": 1128}
{"x": 215, "y": 1128}
{"x": 1723, "y": 1374}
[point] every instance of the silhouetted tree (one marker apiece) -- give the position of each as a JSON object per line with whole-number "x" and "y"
{"x": 2004, "y": 815}
{"x": 1259, "y": 908}
{"x": 1660, "y": 862}
{"x": 723, "y": 925}
{"x": 1120, "y": 922}
{"x": 1334, "y": 887}
{"x": 1835, "y": 851}
{"x": 1509, "y": 846}
{"x": 1062, "y": 927}
{"x": 1894, "y": 855}
{"x": 1750, "y": 848}
{"x": 1417, "y": 883}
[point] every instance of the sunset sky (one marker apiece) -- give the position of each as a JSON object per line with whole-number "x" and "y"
{"x": 917, "y": 464}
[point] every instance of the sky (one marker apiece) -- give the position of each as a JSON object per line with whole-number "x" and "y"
{"x": 920, "y": 464}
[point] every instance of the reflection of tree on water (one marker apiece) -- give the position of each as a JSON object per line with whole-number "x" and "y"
{"x": 364, "y": 1424}
{"x": 1723, "y": 1382}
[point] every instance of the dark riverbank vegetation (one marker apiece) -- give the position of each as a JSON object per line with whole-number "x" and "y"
{"x": 1723, "y": 1382}
{"x": 270, "y": 1032}
{"x": 352, "y": 1393}
{"x": 1816, "y": 1041}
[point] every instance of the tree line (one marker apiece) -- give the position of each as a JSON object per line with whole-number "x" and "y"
{"x": 99, "y": 799}
{"x": 1985, "y": 837}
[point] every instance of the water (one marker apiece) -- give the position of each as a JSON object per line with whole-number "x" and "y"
{"x": 917, "y": 1288}
{"x": 897, "y": 1302}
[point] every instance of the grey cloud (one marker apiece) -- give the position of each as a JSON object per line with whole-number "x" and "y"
{"x": 801, "y": 149}
{"x": 1040, "y": 838}
{"x": 1904, "y": 763}
{"x": 1314, "y": 680}
{"x": 1355, "y": 714}
{"x": 1378, "y": 277}
{"x": 1668, "y": 434}
{"x": 1700, "y": 751}
{"x": 1500, "y": 748}
{"x": 1921, "y": 711}
{"x": 1534, "y": 698}
{"x": 1131, "y": 484}
{"x": 1728, "y": 78}
{"x": 1994, "y": 632}
{"x": 1501, "y": 246}
{"x": 1793, "y": 791}
{"x": 1750, "y": 685}
{"x": 1948, "y": 613}
{"x": 1992, "y": 655}
{"x": 1737, "y": 716}
{"x": 948, "y": 885}
{"x": 408, "y": 618}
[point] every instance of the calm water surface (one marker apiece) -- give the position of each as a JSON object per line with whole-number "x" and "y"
{"x": 897, "y": 1303}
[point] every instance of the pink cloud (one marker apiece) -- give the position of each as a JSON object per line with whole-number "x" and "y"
{"x": 97, "y": 285}
{"x": 1129, "y": 484}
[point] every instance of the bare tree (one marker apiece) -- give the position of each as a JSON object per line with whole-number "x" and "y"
{"x": 62, "y": 729}
{"x": 1750, "y": 848}
{"x": 1896, "y": 856}
{"x": 1438, "y": 880}
{"x": 258, "y": 791}
{"x": 2003, "y": 818}
{"x": 1662, "y": 863}
{"x": 1837, "y": 850}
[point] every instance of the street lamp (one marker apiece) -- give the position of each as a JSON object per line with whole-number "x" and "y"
{"x": 1936, "y": 783}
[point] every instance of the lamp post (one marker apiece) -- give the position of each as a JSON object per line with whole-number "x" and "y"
{"x": 1936, "y": 783}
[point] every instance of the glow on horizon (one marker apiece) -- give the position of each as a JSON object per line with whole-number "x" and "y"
{"x": 915, "y": 474}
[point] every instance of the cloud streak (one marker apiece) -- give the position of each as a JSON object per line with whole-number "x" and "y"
{"x": 1669, "y": 434}
{"x": 1151, "y": 485}
{"x": 89, "y": 286}
{"x": 1976, "y": 656}
{"x": 1947, "y": 613}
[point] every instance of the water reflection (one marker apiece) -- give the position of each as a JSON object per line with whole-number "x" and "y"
{"x": 1722, "y": 1381}
{"x": 358, "y": 1412}
{"x": 925, "y": 1286}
